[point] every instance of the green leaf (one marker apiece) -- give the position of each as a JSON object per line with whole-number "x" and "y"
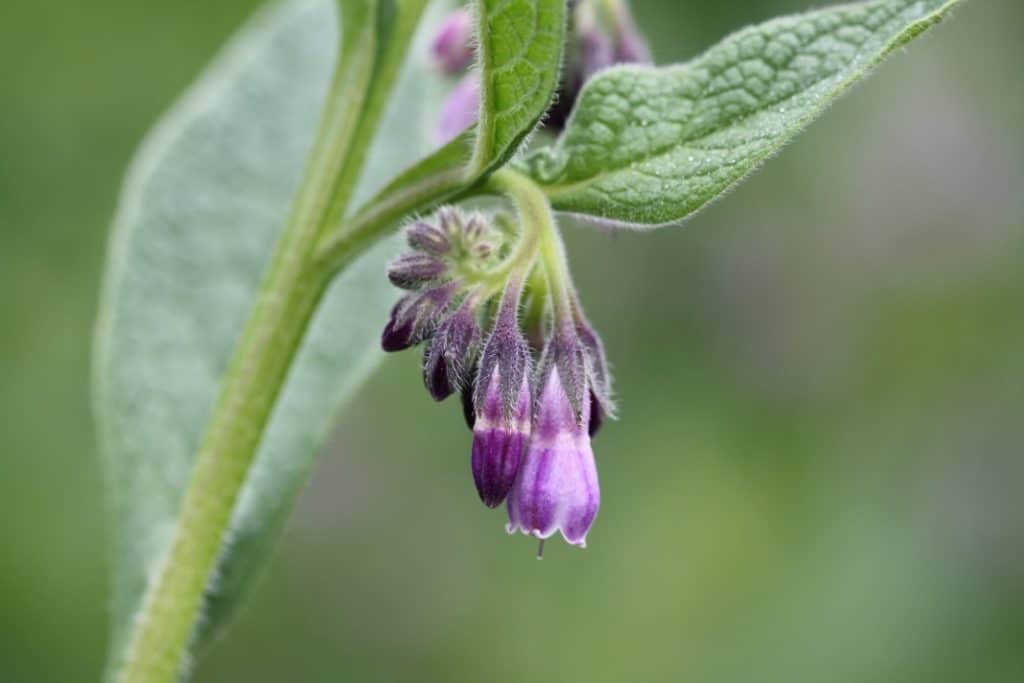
{"x": 202, "y": 207}
{"x": 521, "y": 43}
{"x": 648, "y": 146}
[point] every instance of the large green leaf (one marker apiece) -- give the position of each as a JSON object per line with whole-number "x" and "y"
{"x": 200, "y": 212}
{"x": 649, "y": 146}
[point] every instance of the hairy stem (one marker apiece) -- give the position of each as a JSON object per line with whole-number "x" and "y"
{"x": 539, "y": 221}
{"x": 292, "y": 289}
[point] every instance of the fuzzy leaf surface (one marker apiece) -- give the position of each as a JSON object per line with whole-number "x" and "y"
{"x": 648, "y": 146}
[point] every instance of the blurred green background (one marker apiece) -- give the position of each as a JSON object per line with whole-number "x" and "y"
{"x": 818, "y": 472}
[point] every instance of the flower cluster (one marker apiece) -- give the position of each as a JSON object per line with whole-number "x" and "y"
{"x": 533, "y": 399}
{"x": 602, "y": 33}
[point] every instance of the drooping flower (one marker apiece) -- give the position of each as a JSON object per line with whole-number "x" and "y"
{"x": 556, "y": 489}
{"x": 502, "y": 403}
{"x": 531, "y": 430}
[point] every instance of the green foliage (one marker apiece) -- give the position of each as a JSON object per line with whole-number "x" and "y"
{"x": 649, "y": 146}
{"x": 200, "y": 214}
{"x": 521, "y": 43}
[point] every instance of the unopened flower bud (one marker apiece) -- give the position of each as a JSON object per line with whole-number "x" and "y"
{"x": 460, "y": 110}
{"x": 414, "y": 270}
{"x": 502, "y": 403}
{"x": 429, "y": 239}
{"x": 452, "y": 49}
{"x": 448, "y": 360}
{"x": 556, "y": 488}
{"x": 499, "y": 440}
{"x": 415, "y": 316}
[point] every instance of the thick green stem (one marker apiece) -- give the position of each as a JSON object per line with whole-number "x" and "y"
{"x": 288, "y": 298}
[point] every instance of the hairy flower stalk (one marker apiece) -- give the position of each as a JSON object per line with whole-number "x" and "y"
{"x": 494, "y": 303}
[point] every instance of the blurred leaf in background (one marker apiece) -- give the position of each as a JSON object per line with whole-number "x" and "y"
{"x": 818, "y": 468}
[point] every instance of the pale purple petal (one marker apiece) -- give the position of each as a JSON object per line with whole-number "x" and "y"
{"x": 557, "y": 487}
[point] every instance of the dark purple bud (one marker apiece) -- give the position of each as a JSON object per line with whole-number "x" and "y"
{"x": 452, "y": 49}
{"x": 415, "y": 316}
{"x": 501, "y": 403}
{"x": 414, "y": 270}
{"x": 556, "y": 488}
{"x": 423, "y": 236}
{"x": 499, "y": 440}
{"x": 460, "y": 110}
{"x": 448, "y": 361}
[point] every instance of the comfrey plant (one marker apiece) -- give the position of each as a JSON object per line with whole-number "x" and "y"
{"x": 244, "y": 297}
{"x": 532, "y": 419}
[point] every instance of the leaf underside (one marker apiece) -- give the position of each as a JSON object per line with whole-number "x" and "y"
{"x": 648, "y": 146}
{"x": 200, "y": 213}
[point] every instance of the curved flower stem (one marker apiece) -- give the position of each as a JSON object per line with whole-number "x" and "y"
{"x": 539, "y": 224}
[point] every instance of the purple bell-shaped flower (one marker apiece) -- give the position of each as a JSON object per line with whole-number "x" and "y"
{"x": 556, "y": 488}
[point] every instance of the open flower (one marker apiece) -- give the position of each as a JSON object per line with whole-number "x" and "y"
{"x": 556, "y": 488}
